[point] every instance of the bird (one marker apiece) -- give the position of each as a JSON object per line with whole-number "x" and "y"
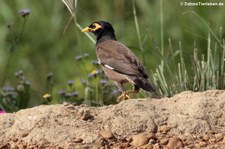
{"x": 118, "y": 62}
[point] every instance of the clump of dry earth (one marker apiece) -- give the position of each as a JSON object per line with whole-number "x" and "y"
{"x": 187, "y": 120}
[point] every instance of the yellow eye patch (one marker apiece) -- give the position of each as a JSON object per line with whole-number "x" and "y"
{"x": 96, "y": 26}
{"x": 92, "y": 28}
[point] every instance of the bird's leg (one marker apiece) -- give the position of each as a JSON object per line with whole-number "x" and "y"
{"x": 124, "y": 95}
{"x": 134, "y": 91}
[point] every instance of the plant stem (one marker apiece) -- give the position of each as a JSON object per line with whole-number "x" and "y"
{"x": 138, "y": 31}
{"x": 161, "y": 31}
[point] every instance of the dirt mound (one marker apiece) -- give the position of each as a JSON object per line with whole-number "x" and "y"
{"x": 187, "y": 120}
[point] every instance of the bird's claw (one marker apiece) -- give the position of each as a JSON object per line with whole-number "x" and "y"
{"x": 123, "y": 96}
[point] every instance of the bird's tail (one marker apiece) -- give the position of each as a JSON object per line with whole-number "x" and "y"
{"x": 144, "y": 84}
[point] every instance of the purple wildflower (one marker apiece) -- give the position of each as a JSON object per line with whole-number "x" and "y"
{"x": 8, "y": 88}
{"x": 103, "y": 82}
{"x": 95, "y": 62}
{"x": 24, "y": 12}
{"x": 79, "y": 57}
{"x": 49, "y": 76}
{"x": 74, "y": 94}
{"x": 61, "y": 92}
{"x": 70, "y": 82}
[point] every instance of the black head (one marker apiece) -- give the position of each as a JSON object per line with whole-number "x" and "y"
{"x": 102, "y": 30}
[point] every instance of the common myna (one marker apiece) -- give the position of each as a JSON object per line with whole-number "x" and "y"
{"x": 118, "y": 62}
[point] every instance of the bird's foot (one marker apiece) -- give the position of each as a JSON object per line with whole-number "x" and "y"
{"x": 123, "y": 96}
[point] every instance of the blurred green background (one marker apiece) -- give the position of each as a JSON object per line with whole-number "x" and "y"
{"x": 50, "y": 43}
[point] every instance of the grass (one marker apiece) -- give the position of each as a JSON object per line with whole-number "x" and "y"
{"x": 175, "y": 71}
{"x": 207, "y": 71}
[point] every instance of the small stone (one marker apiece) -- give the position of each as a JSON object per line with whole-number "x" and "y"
{"x": 123, "y": 145}
{"x": 164, "y": 141}
{"x": 77, "y": 140}
{"x": 65, "y": 103}
{"x": 201, "y": 144}
{"x": 24, "y": 134}
{"x": 183, "y": 137}
{"x": 164, "y": 129}
{"x": 152, "y": 136}
{"x": 106, "y": 134}
{"x": 85, "y": 115}
{"x": 67, "y": 145}
{"x": 129, "y": 139}
{"x": 219, "y": 136}
{"x": 205, "y": 137}
{"x": 140, "y": 139}
{"x": 152, "y": 141}
{"x": 21, "y": 146}
{"x": 156, "y": 146}
{"x": 190, "y": 146}
{"x": 211, "y": 132}
{"x": 103, "y": 142}
{"x": 14, "y": 139}
{"x": 223, "y": 140}
{"x": 147, "y": 146}
{"x": 175, "y": 143}
{"x": 212, "y": 140}
{"x": 69, "y": 106}
{"x": 13, "y": 146}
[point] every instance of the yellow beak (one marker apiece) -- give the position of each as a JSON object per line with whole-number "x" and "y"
{"x": 87, "y": 29}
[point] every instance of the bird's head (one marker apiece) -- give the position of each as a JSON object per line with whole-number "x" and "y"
{"x": 102, "y": 30}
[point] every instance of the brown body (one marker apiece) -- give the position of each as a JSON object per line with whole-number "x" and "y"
{"x": 121, "y": 59}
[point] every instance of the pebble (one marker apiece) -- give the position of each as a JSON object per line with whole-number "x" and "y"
{"x": 212, "y": 140}
{"x": 219, "y": 136}
{"x": 129, "y": 139}
{"x": 152, "y": 136}
{"x": 85, "y": 114}
{"x": 211, "y": 132}
{"x": 175, "y": 143}
{"x": 14, "y": 139}
{"x": 65, "y": 103}
{"x": 78, "y": 140}
{"x": 205, "y": 137}
{"x": 21, "y": 146}
{"x": 201, "y": 144}
{"x": 24, "y": 134}
{"x": 164, "y": 129}
{"x": 147, "y": 146}
{"x": 106, "y": 134}
{"x": 152, "y": 141}
{"x": 124, "y": 145}
{"x": 164, "y": 141}
{"x": 67, "y": 145}
{"x": 140, "y": 140}
{"x": 156, "y": 146}
{"x": 13, "y": 145}
{"x": 223, "y": 140}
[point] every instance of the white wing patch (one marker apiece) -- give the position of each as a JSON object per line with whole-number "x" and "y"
{"x": 108, "y": 66}
{"x": 105, "y": 65}
{"x": 99, "y": 61}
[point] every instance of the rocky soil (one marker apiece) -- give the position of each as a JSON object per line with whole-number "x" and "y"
{"x": 187, "y": 120}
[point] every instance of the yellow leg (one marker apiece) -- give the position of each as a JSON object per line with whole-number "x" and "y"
{"x": 125, "y": 95}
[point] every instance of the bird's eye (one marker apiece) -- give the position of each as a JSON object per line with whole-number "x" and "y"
{"x": 93, "y": 26}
